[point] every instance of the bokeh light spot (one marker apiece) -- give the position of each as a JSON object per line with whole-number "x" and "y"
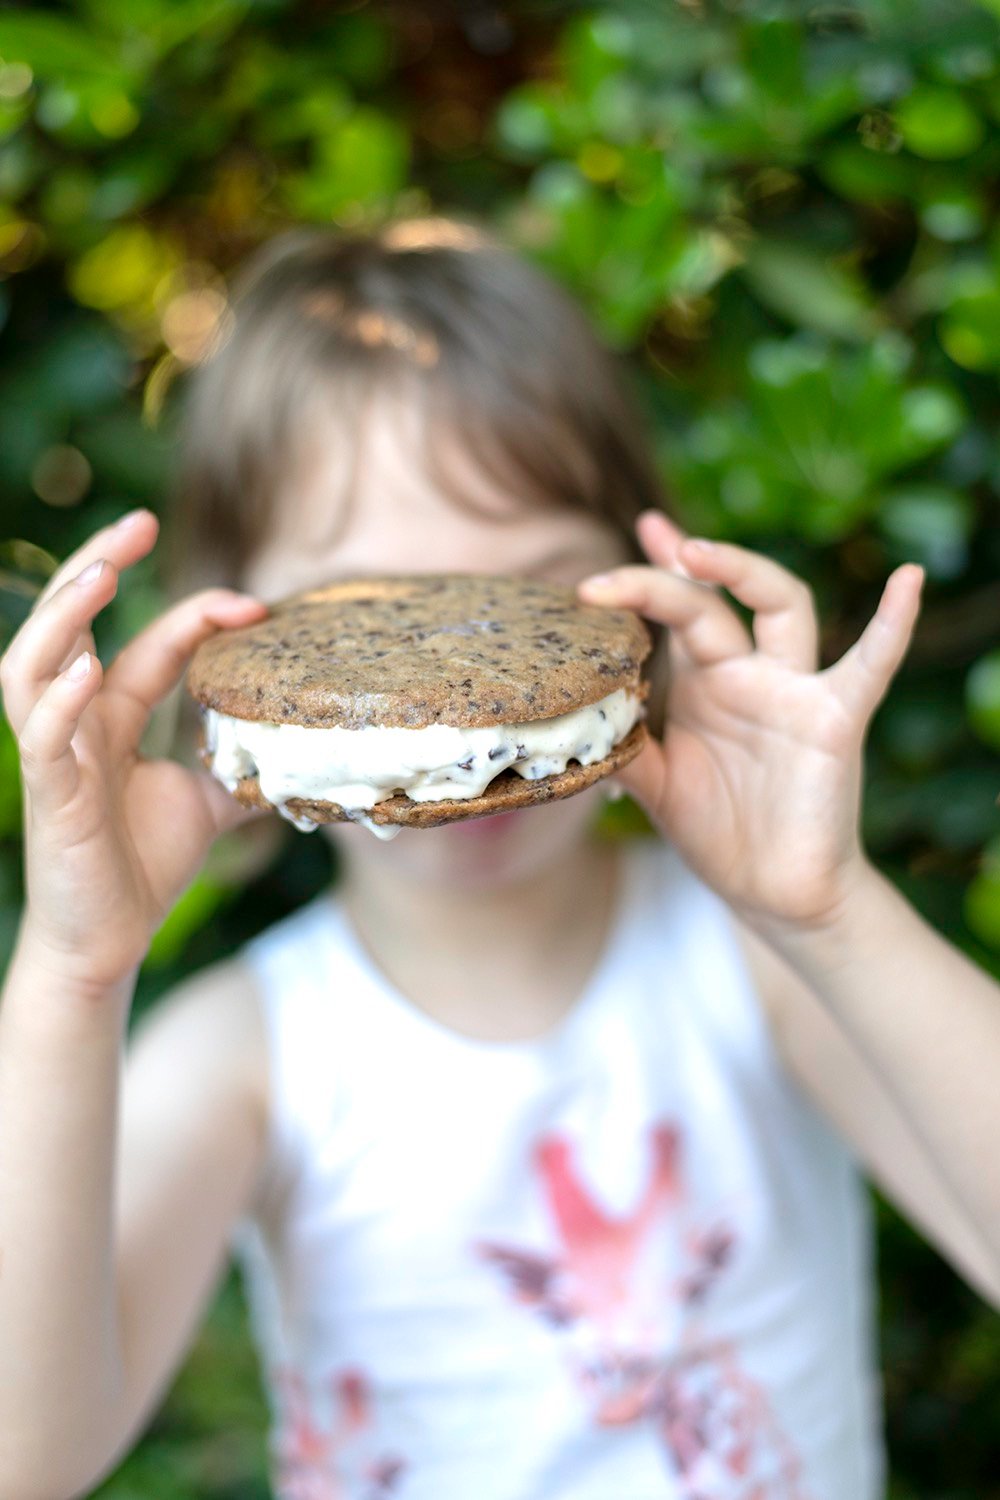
{"x": 61, "y": 475}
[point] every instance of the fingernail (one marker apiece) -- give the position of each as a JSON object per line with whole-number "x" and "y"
{"x": 131, "y": 518}
{"x": 700, "y": 543}
{"x": 90, "y": 573}
{"x": 599, "y": 580}
{"x": 80, "y": 667}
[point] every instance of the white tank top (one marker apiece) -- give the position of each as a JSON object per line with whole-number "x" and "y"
{"x": 625, "y": 1261}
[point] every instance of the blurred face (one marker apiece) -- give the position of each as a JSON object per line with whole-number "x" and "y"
{"x": 397, "y": 522}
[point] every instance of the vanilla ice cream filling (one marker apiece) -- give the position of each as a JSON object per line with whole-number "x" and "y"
{"x": 358, "y": 768}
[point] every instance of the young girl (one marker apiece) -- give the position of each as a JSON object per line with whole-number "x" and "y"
{"x": 539, "y": 1151}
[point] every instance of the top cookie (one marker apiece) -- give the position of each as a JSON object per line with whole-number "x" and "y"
{"x": 450, "y": 648}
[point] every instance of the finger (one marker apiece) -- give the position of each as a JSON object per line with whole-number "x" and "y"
{"x": 48, "y": 764}
{"x": 862, "y": 675}
{"x": 225, "y": 810}
{"x": 662, "y": 539}
{"x": 660, "y": 536}
{"x": 54, "y": 634}
{"x": 701, "y": 620}
{"x": 643, "y": 776}
{"x": 784, "y": 623}
{"x": 123, "y": 542}
{"x": 153, "y": 662}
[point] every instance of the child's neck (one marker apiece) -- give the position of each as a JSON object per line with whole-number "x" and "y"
{"x": 485, "y": 963}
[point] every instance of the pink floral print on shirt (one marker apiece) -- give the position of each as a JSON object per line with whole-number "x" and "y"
{"x": 333, "y": 1462}
{"x": 624, "y": 1292}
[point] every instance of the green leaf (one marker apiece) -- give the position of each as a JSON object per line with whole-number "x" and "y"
{"x": 362, "y": 162}
{"x": 10, "y": 782}
{"x": 357, "y": 48}
{"x": 773, "y": 56}
{"x": 621, "y": 818}
{"x": 920, "y": 732}
{"x": 953, "y": 212}
{"x": 818, "y": 428}
{"x": 163, "y": 26}
{"x": 869, "y": 176}
{"x": 592, "y": 48}
{"x": 123, "y": 269}
{"x": 808, "y": 291}
{"x": 524, "y": 121}
{"x": 928, "y": 524}
{"x": 194, "y": 909}
{"x": 969, "y": 328}
{"x": 135, "y": 178}
{"x": 23, "y": 163}
{"x": 312, "y": 114}
{"x": 80, "y": 369}
{"x": 55, "y": 47}
{"x": 981, "y": 904}
{"x": 982, "y": 698}
{"x": 939, "y": 123}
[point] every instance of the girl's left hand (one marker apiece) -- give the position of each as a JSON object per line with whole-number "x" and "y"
{"x": 757, "y": 781}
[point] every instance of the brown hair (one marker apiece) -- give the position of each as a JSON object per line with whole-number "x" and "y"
{"x": 505, "y": 359}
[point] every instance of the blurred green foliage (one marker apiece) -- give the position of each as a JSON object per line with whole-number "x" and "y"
{"x": 783, "y": 216}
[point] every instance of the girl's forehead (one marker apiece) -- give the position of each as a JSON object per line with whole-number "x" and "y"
{"x": 365, "y": 502}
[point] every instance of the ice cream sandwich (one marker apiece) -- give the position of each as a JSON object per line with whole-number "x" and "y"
{"x": 419, "y": 700}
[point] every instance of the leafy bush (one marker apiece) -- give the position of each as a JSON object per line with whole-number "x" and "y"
{"x": 783, "y": 216}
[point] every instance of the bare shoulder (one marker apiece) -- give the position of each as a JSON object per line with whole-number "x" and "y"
{"x": 191, "y": 1145}
{"x": 213, "y": 1020}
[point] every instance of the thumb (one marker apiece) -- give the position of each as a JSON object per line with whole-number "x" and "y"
{"x": 862, "y": 675}
{"x": 643, "y": 777}
{"x": 226, "y": 810}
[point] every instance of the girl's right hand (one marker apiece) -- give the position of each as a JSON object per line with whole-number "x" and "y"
{"x": 111, "y": 839}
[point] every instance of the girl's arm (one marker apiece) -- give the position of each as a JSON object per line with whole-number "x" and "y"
{"x": 111, "y": 840}
{"x": 926, "y": 1019}
{"x": 61, "y": 1371}
{"x": 118, "y": 1188}
{"x": 836, "y": 1072}
{"x": 758, "y": 783}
